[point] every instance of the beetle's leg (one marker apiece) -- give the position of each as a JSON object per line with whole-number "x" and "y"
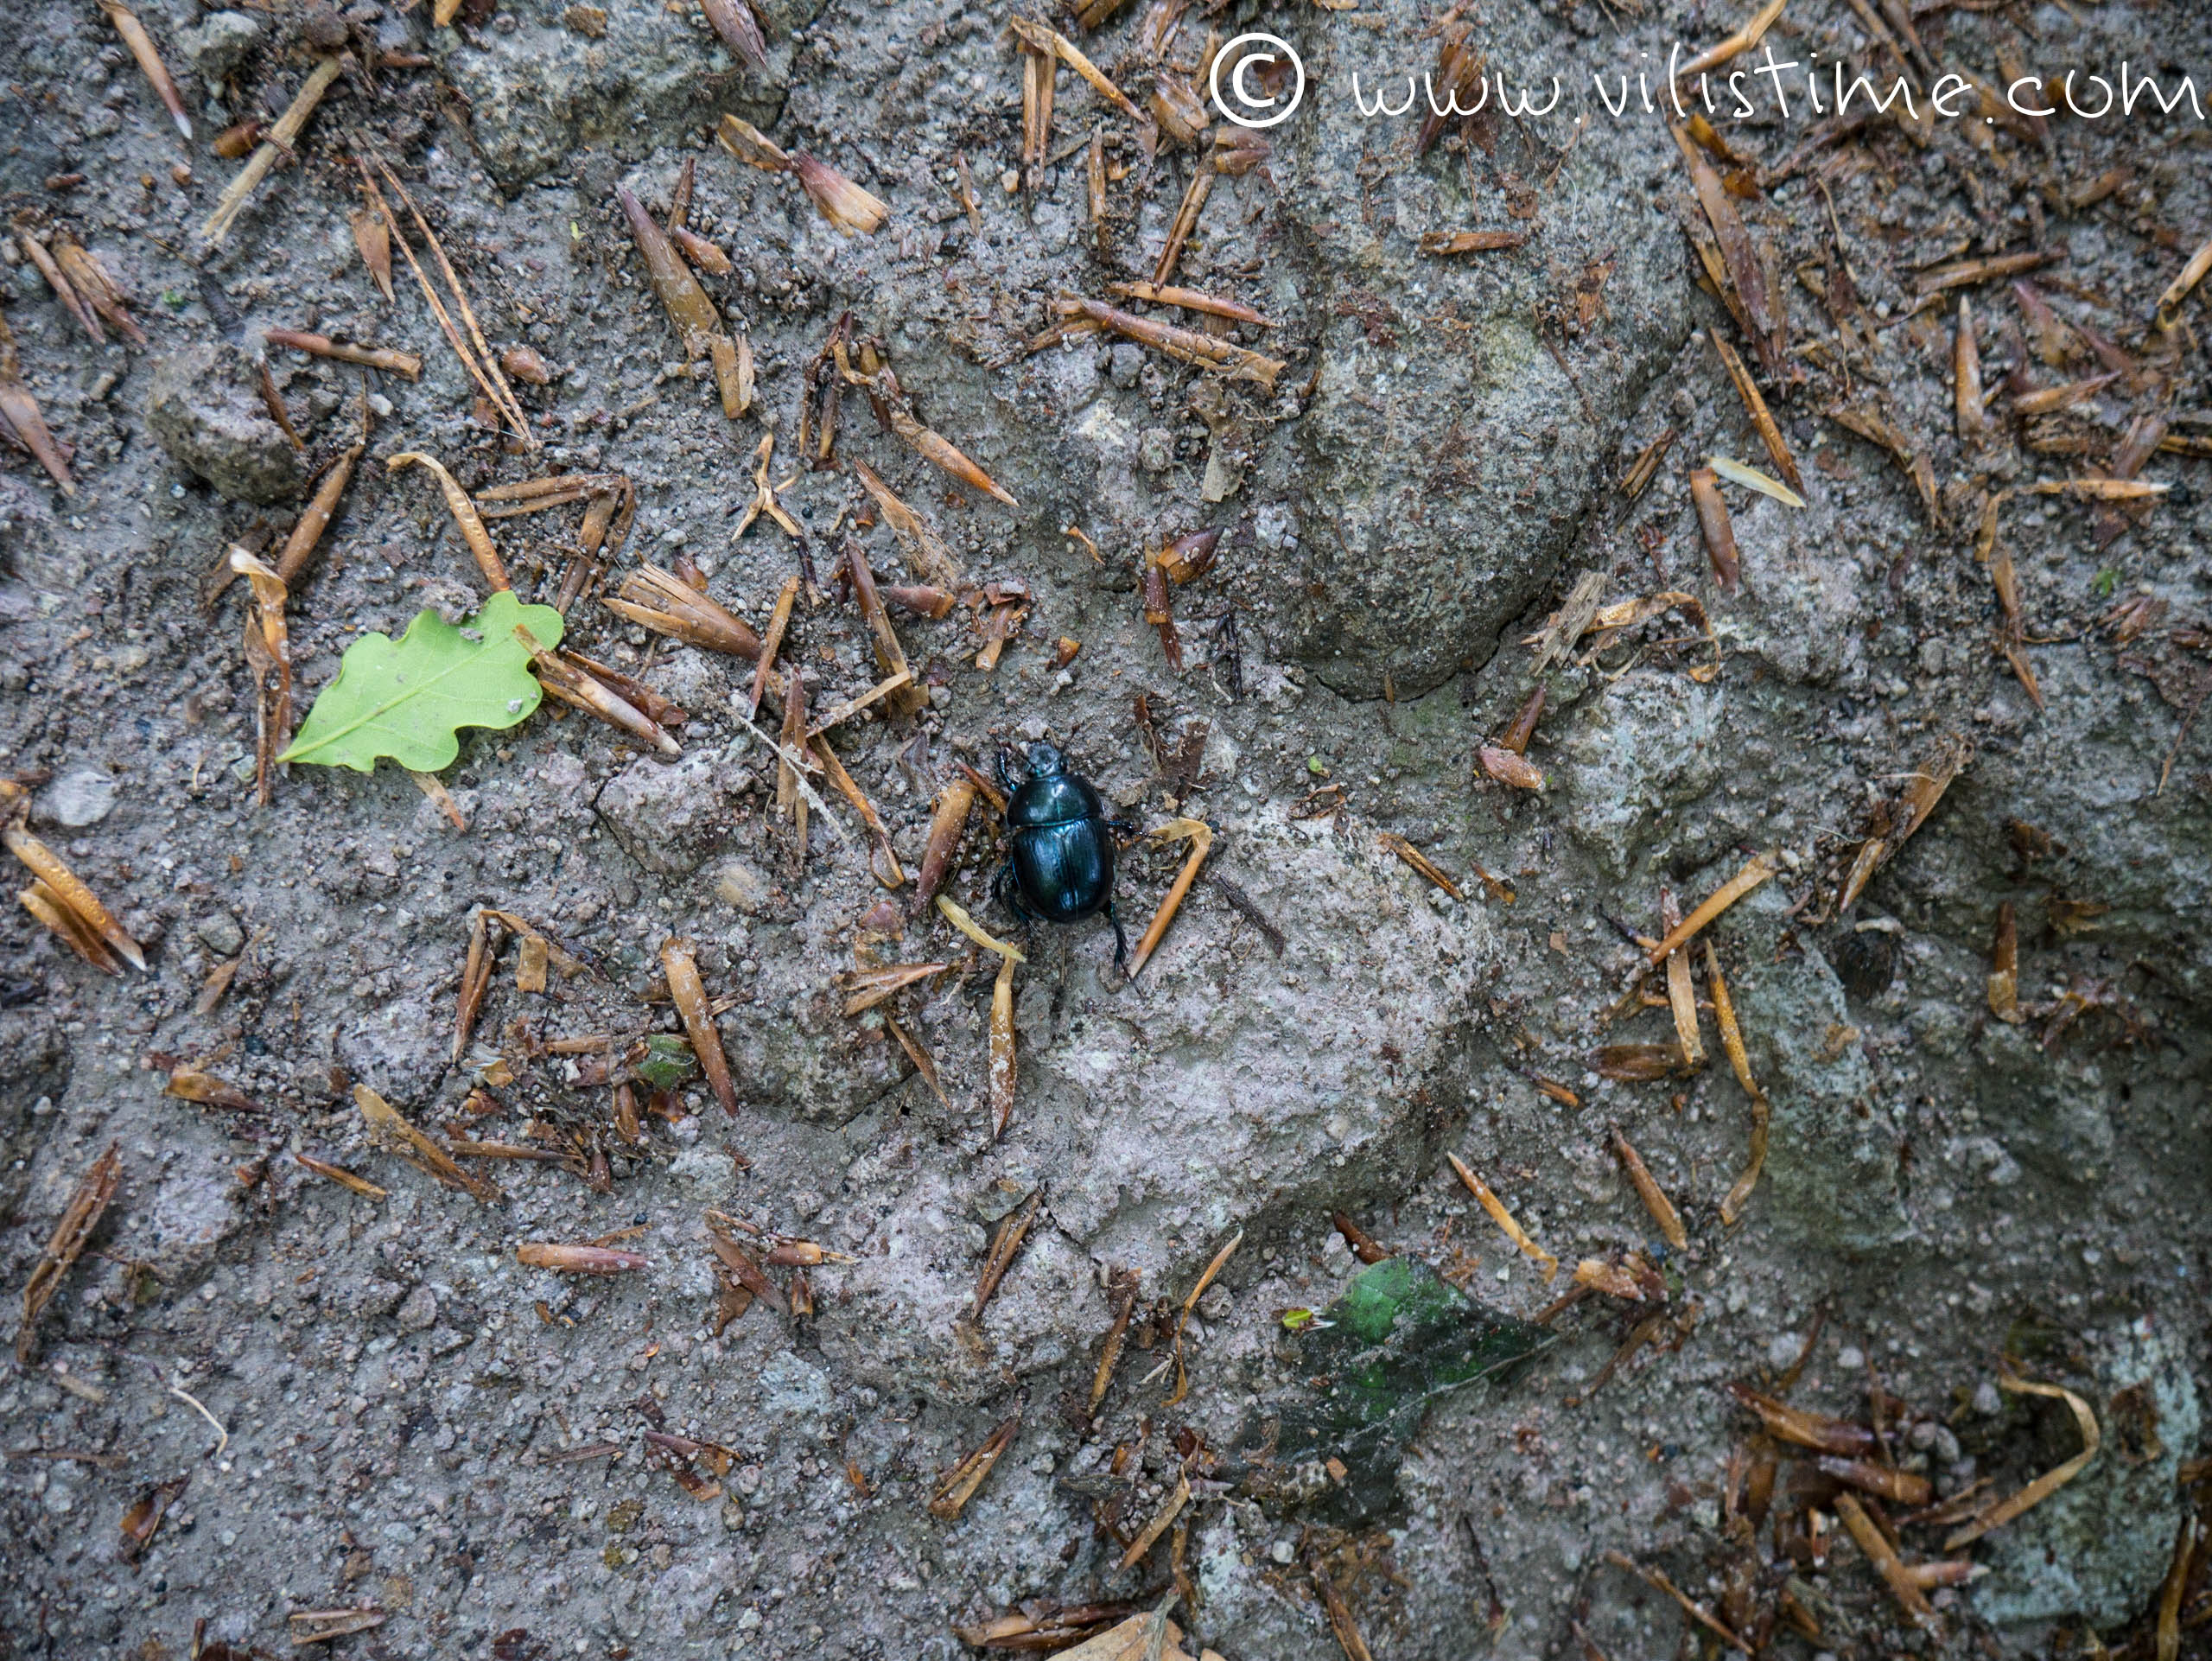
{"x": 1121, "y": 944}
{"x": 1008, "y": 892}
{"x": 1125, "y": 829}
{"x": 1006, "y": 782}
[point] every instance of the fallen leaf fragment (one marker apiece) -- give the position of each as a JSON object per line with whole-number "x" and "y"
{"x": 149, "y": 62}
{"x": 20, "y": 418}
{"x": 2004, "y": 979}
{"x": 1808, "y": 1429}
{"x": 1681, "y": 995}
{"x": 1737, "y": 473}
{"x": 1420, "y": 862}
{"x": 465, "y": 515}
{"x": 191, "y": 1085}
{"x": 62, "y": 884}
{"x": 282, "y": 140}
{"x": 1895, "y": 821}
{"x": 1505, "y": 763}
{"x": 1471, "y": 242}
{"x": 1907, "y": 1488}
{"x": 947, "y": 823}
{"x": 698, "y": 323}
{"x": 1762, "y": 421}
{"x": 1719, "y": 530}
{"x": 1658, "y": 1580}
{"x": 144, "y": 1519}
{"x": 1002, "y": 1069}
{"x": 1637, "y": 1064}
{"x": 739, "y": 30}
{"x": 342, "y": 1177}
{"x": 1149, "y": 1535}
{"x": 865, "y": 988}
{"x": 1884, "y": 1558}
{"x": 1006, "y": 1241}
{"x": 1200, "y": 836}
{"x": 845, "y": 204}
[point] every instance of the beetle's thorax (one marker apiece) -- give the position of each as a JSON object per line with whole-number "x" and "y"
{"x": 1059, "y": 798}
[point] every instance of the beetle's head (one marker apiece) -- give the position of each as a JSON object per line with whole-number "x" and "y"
{"x": 1045, "y": 762}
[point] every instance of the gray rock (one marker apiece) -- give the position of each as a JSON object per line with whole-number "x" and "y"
{"x": 79, "y": 797}
{"x": 742, "y": 884}
{"x": 418, "y": 1311}
{"x": 900, "y": 1324}
{"x": 795, "y": 1390}
{"x": 703, "y": 1173}
{"x": 1802, "y": 596}
{"x": 2058, "y": 1126}
{"x": 210, "y": 423}
{"x": 373, "y": 1297}
{"x": 542, "y": 90}
{"x": 1447, "y": 460}
{"x": 2098, "y": 1549}
{"x": 683, "y": 1595}
{"x": 34, "y": 1068}
{"x": 1832, "y": 1168}
{"x": 1635, "y": 750}
{"x": 2086, "y": 773}
{"x": 808, "y": 1062}
{"x": 221, "y": 934}
{"x": 192, "y": 1212}
{"x": 1272, "y": 1097}
{"x": 219, "y": 42}
{"x": 1321, "y": 1081}
{"x": 668, "y": 815}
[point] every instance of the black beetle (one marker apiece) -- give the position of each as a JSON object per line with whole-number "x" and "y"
{"x": 1060, "y": 862}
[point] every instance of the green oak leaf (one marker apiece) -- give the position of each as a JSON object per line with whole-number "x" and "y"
{"x": 406, "y": 698}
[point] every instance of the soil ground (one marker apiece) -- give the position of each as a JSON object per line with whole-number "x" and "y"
{"x": 323, "y": 1400}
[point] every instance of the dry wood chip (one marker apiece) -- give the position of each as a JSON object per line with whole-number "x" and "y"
{"x": 689, "y": 994}
{"x": 1006, "y": 1241}
{"x": 1150, "y": 1534}
{"x": 1649, "y": 1191}
{"x": 1490, "y": 1203}
{"x": 960, "y": 1484}
{"x": 392, "y": 1131}
{"x": 2052, "y": 1480}
{"x": 1200, "y": 836}
{"x": 1757, "y": 870}
{"x": 1884, "y": 1558}
{"x": 78, "y": 1218}
{"x": 1740, "y": 1061}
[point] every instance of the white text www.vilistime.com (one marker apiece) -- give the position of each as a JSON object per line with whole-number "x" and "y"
{"x": 1788, "y": 88}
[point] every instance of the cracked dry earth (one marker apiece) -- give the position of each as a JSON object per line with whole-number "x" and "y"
{"x": 414, "y": 1422}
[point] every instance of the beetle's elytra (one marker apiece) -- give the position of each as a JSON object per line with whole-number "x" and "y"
{"x": 1059, "y": 846}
